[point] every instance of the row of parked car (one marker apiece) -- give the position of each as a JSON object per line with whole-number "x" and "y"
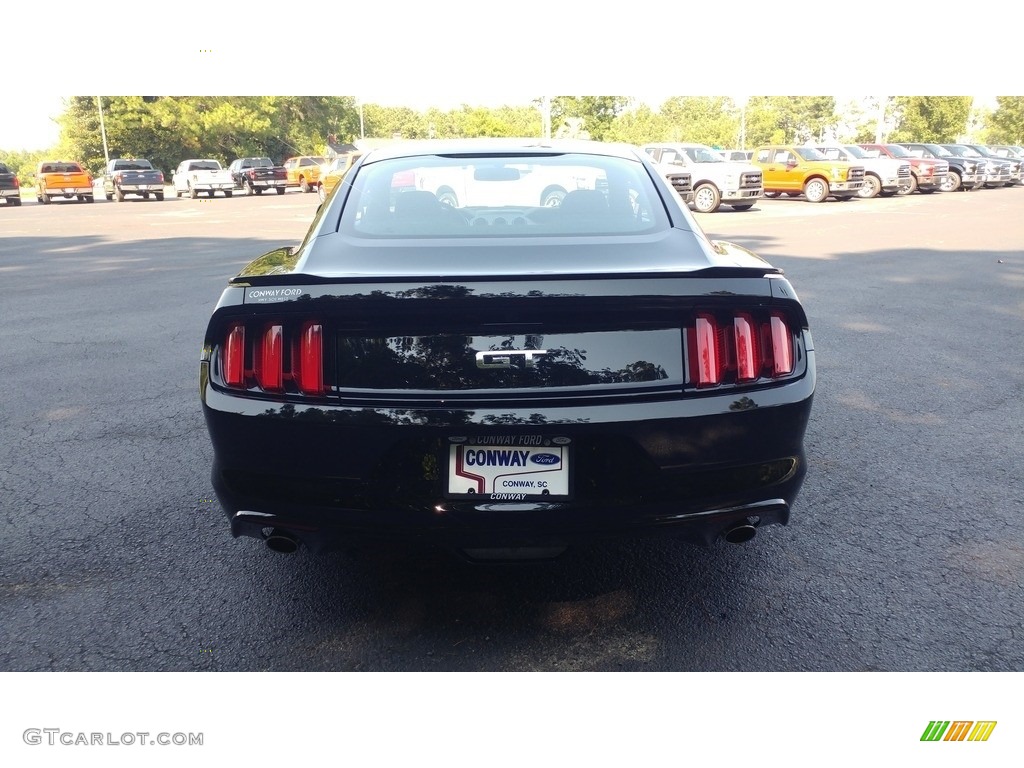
{"x": 704, "y": 177}
{"x": 869, "y": 170}
{"x": 137, "y": 177}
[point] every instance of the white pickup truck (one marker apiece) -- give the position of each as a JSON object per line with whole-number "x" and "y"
{"x": 883, "y": 176}
{"x": 715, "y": 180}
{"x": 194, "y": 176}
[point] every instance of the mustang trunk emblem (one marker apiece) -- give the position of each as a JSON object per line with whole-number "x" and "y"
{"x": 503, "y": 358}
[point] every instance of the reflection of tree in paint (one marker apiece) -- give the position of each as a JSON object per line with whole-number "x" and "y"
{"x": 448, "y": 362}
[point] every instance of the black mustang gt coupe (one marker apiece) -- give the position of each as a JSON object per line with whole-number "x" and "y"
{"x": 504, "y": 347}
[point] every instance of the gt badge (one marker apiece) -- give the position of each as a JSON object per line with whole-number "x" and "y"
{"x": 503, "y": 359}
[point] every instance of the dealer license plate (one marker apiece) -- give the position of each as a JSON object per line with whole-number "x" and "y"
{"x": 509, "y": 472}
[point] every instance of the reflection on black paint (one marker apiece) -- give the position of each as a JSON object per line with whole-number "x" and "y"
{"x": 447, "y": 362}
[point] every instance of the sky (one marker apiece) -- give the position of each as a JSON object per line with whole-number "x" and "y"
{"x": 422, "y": 58}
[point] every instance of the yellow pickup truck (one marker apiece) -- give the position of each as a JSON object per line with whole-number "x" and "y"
{"x": 304, "y": 171}
{"x": 798, "y": 170}
{"x": 63, "y": 180}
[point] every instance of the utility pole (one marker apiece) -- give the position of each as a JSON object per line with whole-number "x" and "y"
{"x": 545, "y": 117}
{"x": 103, "y": 132}
{"x": 743, "y": 120}
{"x": 883, "y": 102}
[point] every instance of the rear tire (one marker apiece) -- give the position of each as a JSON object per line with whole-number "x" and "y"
{"x": 228, "y": 193}
{"x": 14, "y": 201}
{"x": 119, "y": 194}
{"x": 742, "y": 206}
{"x": 304, "y": 185}
{"x": 193, "y": 192}
{"x": 280, "y": 190}
{"x": 158, "y": 195}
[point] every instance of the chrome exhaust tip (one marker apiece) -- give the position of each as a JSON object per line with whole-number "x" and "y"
{"x": 740, "y": 533}
{"x": 281, "y": 541}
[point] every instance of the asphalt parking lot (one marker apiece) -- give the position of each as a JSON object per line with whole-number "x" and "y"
{"x": 904, "y": 551}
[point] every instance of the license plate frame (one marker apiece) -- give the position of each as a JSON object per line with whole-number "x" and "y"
{"x": 516, "y": 472}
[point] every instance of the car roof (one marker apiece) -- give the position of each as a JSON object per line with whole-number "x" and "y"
{"x": 422, "y": 147}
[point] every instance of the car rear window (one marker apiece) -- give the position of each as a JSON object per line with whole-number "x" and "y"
{"x": 60, "y": 168}
{"x": 515, "y": 195}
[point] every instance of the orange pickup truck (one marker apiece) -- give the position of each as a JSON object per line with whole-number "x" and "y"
{"x": 304, "y": 172}
{"x": 62, "y": 180}
{"x": 806, "y": 171}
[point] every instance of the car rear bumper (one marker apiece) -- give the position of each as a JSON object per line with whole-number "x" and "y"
{"x": 328, "y": 476}
{"x": 10, "y": 193}
{"x": 67, "y": 191}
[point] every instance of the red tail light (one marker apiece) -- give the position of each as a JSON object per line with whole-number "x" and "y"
{"x": 747, "y": 362}
{"x": 284, "y": 357}
{"x": 308, "y": 364}
{"x": 740, "y": 348}
{"x": 707, "y": 358}
{"x": 268, "y": 362}
{"x": 782, "y": 347}
{"x": 234, "y": 356}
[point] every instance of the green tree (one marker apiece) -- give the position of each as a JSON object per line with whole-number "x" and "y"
{"x": 934, "y": 119}
{"x": 480, "y": 121}
{"x": 597, "y": 112}
{"x": 790, "y": 119}
{"x": 383, "y": 122}
{"x": 168, "y": 129}
{"x": 639, "y": 126}
{"x": 24, "y": 163}
{"x": 1006, "y": 124}
{"x": 711, "y": 120}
